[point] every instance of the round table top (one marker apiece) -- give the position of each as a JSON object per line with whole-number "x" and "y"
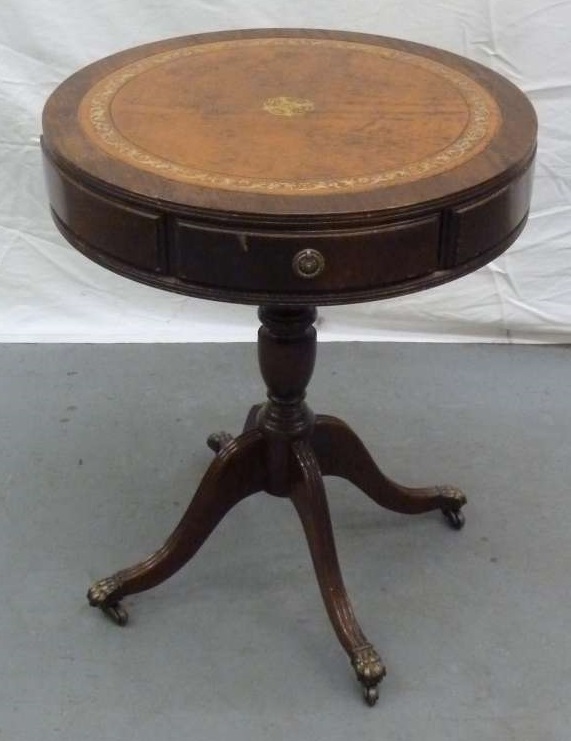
{"x": 277, "y": 138}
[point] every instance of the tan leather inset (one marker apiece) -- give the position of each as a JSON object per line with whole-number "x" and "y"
{"x": 282, "y": 115}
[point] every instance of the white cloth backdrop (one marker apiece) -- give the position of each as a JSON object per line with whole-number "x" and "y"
{"x": 49, "y": 292}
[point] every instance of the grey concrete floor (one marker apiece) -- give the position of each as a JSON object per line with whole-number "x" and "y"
{"x": 100, "y": 450}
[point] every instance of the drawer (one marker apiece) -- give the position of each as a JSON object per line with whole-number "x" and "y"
{"x": 301, "y": 262}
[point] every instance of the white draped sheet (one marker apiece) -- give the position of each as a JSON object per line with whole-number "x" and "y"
{"x": 51, "y": 293}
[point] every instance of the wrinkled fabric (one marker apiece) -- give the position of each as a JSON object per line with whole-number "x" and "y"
{"x": 51, "y": 293}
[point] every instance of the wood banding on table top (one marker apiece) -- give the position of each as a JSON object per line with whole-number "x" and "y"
{"x": 287, "y": 129}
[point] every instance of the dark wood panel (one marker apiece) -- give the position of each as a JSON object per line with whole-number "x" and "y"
{"x": 478, "y": 226}
{"x": 131, "y": 235}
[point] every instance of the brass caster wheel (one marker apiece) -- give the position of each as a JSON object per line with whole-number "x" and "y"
{"x": 117, "y": 613}
{"x": 371, "y": 695}
{"x": 455, "y": 518}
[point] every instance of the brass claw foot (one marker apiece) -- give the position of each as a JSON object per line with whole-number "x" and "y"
{"x": 219, "y": 440}
{"x": 453, "y": 501}
{"x": 102, "y": 594}
{"x": 370, "y": 671}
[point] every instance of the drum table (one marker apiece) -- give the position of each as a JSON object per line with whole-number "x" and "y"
{"x": 288, "y": 169}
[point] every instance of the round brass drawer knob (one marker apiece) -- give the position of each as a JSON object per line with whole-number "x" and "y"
{"x": 308, "y": 263}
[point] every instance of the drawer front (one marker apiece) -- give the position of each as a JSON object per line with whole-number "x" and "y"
{"x": 305, "y": 262}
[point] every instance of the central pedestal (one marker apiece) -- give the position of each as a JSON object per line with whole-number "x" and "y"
{"x": 286, "y": 450}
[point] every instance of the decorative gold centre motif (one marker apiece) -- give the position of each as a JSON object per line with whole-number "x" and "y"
{"x": 284, "y": 106}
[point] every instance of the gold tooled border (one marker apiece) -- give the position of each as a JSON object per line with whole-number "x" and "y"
{"x": 484, "y": 120}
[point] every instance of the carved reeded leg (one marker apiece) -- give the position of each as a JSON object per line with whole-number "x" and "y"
{"x": 235, "y": 473}
{"x": 341, "y": 453}
{"x": 308, "y": 496}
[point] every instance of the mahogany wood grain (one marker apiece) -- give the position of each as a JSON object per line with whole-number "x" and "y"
{"x": 234, "y": 474}
{"x": 308, "y": 497}
{"x": 340, "y": 452}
